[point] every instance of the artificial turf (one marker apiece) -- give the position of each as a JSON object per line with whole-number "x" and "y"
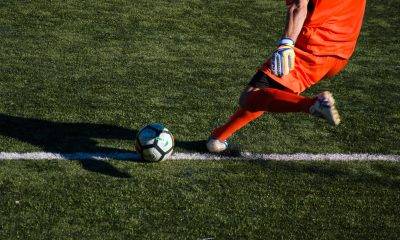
{"x": 198, "y": 200}
{"x": 86, "y": 75}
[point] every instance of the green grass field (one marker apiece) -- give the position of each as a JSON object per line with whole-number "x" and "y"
{"x": 84, "y": 76}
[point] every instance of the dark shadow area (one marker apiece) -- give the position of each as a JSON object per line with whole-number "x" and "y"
{"x": 386, "y": 177}
{"x": 68, "y": 138}
{"x": 192, "y": 146}
{"x": 103, "y": 168}
{"x": 386, "y": 174}
{"x": 200, "y": 147}
{"x": 65, "y": 138}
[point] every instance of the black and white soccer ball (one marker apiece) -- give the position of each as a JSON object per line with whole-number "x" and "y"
{"x": 154, "y": 143}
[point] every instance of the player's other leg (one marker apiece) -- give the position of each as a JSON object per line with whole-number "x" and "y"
{"x": 273, "y": 97}
{"x": 276, "y": 100}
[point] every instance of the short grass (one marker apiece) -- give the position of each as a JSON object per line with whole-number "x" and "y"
{"x": 199, "y": 200}
{"x": 86, "y": 75}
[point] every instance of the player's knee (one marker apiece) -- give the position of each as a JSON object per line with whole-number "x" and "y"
{"x": 246, "y": 99}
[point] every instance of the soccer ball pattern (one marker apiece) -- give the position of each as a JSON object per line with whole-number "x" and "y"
{"x": 154, "y": 143}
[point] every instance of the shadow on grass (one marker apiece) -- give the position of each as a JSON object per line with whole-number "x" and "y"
{"x": 66, "y": 138}
{"x": 192, "y": 146}
{"x": 382, "y": 174}
{"x": 200, "y": 147}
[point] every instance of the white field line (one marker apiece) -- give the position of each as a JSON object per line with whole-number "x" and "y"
{"x": 131, "y": 156}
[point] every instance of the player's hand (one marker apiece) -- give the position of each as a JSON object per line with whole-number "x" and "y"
{"x": 282, "y": 60}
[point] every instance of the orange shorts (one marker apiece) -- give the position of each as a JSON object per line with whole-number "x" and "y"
{"x": 309, "y": 69}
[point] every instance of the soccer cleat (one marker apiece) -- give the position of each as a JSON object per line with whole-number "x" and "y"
{"x": 216, "y": 146}
{"x": 325, "y": 108}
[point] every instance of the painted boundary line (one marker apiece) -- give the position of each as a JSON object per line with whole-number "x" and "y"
{"x": 132, "y": 156}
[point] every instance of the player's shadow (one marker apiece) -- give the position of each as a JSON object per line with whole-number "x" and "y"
{"x": 66, "y": 138}
{"x": 192, "y": 146}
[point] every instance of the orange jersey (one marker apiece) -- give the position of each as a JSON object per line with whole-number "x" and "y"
{"x": 332, "y": 27}
{"x": 309, "y": 70}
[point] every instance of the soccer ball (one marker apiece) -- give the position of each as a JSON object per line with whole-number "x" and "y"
{"x": 154, "y": 143}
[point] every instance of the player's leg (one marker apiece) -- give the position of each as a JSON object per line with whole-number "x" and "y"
{"x": 262, "y": 94}
{"x": 218, "y": 139}
{"x": 239, "y": 119}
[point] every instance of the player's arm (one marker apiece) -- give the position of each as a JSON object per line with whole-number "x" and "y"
{"x": 295, "y": 17}
{"x": 282, "y": 61}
